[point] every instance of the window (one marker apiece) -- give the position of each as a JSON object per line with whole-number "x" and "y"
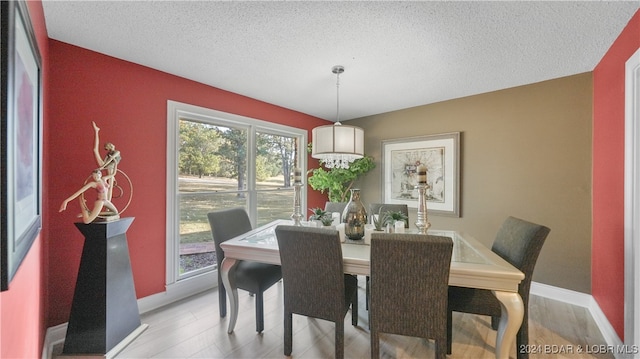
{"x": 219, "y": 160}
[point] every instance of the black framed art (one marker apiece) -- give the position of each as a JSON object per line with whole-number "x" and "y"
{"x": 21, "y": 138}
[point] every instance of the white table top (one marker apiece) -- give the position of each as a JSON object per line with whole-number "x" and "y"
{"x": 472, "y": 264}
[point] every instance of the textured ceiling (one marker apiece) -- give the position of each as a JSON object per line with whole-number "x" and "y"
{"x": 396, "y": 54}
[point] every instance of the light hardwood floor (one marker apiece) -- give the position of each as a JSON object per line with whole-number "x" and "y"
{"x": 192, "y": 328}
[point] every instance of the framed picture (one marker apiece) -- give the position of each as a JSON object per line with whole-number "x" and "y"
{"x": 21, "y": 138}
{"x": 440, "y": 153}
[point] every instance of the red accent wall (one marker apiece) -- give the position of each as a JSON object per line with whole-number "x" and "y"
{"x": 129, "y": 104}
{"x": 22, "y": 307}
{"x": 608, "y": 175}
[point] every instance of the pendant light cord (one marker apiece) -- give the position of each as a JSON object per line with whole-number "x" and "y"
{"x": 338, "y": 70}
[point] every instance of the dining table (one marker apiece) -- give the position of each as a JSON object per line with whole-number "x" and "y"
{"x": 473, "y": 265}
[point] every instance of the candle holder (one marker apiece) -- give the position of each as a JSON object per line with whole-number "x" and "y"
{"x": 423, "y": 221}
{"x": 297, "y": 209}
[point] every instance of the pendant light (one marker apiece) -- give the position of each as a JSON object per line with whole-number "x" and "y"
{"x": 337, "y": 145}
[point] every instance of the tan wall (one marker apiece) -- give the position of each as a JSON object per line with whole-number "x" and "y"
{"x": 525, "y": 152}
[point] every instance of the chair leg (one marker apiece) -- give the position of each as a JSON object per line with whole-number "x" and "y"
{"x": 440, "y": 348}
{"x": 259, "y": 312}
{"x": 340, "y": 339}
{"x": 222, "y": 297}
{"x": 449, "y": 330}
{"x": 375, "y": 344}
{"x": 288, "y": 333}
{"x": 354, "y": 309}
{"x": 495, "y": 322}
{"x": 367, "y": 291}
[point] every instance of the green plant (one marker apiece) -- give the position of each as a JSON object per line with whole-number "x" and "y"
{"x": 380, "y": 220}
{"x": 326, "y": 220}
{"x": 388, "y": 217}
{"x": 394, "y": 216}
{"x": 337, "y": 182}
{"x": 319, "y": 214}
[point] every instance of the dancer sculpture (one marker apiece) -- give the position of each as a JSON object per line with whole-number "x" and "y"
{"x": 101, "y": 185}
{"x": 110, "y": 161}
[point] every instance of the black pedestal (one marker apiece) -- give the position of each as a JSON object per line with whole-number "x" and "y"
{"x": 104, "y": 309}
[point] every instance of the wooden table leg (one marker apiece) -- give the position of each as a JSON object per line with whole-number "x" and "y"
{"x": 510, "y": 321}
{"x": 227, "y": 272}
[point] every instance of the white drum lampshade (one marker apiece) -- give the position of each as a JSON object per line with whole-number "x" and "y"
{"x": 337, "y": 145}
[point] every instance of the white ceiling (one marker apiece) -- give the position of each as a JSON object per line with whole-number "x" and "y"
{"x": 396, "y": 54}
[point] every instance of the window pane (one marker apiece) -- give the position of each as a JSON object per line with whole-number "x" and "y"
{"x": 275, "y": 205}
{"x": 216, "y": 154}
{"x": 216, "y": 169}
{"x": 197, "y": 249}
{"x": 212, "y": 159}
{"x": 275, "y": 159}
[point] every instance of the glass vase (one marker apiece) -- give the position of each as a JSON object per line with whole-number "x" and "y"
{"x": 354, "y": 217}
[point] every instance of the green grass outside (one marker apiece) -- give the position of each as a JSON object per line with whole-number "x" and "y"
{"x": 194, "y": 226}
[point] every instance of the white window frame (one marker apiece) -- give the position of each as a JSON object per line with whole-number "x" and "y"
{"x": 183, "y": 287}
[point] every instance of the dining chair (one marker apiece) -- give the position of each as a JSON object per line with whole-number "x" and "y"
{"x": 331, "y": 207}
{"x": 409, "y": 281}
{"x": 251, "y": 276}
{"x": 379, "y": 208}
{"x": 375, "y": 208}
{"x": 518, "y": 242}
{"x": 314, "y": 281}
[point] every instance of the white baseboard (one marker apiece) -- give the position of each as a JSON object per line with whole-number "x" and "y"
{"x": 54, "y": 336}
{"x": 609, "y": 334}
{"x": 177, "y": 291}
{"x": 582, "y": 300}
{"x": 560, "y": 294}
{"x": 174, "y": 292}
